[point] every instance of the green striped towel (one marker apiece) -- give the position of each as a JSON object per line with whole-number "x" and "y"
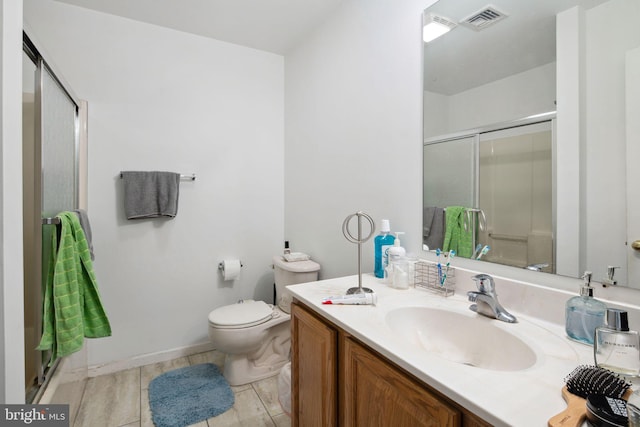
{"x": 455, "y": 238}
{"x": 72, "y": 309}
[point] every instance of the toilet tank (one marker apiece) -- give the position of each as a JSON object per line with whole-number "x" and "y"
{"x": 290, "y": 273}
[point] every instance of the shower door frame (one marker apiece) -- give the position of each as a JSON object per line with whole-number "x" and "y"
{"x": 475, "y": 134}
{"x": 45, "y": 372}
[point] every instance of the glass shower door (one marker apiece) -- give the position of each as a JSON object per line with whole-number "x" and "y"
{"x": 516, "y": 195}
{"x": 58, "y": 162}
{"x": 59, "y": 148}
{"x": 50, "y": 176}
{"x": 449, "y": 170}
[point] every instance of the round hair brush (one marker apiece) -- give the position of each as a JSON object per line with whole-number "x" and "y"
{"x": 582, "y": 382}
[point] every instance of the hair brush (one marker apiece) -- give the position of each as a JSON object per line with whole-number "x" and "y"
{"x": 582, "y": 382}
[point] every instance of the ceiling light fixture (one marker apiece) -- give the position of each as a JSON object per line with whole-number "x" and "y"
{"x": 434, "y": 26}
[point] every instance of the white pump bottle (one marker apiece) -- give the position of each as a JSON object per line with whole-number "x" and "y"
{"x": 398, "y": 272}
{"x": 396, "y": 251}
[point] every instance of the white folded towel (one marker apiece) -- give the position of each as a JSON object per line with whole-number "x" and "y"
{"x": 296, "y": 256}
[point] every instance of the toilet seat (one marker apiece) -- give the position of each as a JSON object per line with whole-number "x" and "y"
{"x": 242, "y": 315}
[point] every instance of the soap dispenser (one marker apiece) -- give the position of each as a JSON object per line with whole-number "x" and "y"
{"x": 584, "y": 313}
{"x": 396, "y": 251}
{"x": 398, "y": 270}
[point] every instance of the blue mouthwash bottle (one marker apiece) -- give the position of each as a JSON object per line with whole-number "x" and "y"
{"x": 382, "y": 243}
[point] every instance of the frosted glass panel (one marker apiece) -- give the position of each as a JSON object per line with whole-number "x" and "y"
{"x": 449, "y": 173}
{"x": 516, "y": 195}
{"x": 59, "y": 170}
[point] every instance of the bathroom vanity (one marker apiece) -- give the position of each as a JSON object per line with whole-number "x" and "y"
{"x": 341, "y": 381}
{"x": 417, "y": 358}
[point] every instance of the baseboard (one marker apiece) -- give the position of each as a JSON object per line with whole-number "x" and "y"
{"x": 146, "y": 359}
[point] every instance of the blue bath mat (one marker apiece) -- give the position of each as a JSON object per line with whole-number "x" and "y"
{"x": 188, "y": 395}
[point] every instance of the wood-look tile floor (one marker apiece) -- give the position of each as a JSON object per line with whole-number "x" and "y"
{"x": 121, "y": 399}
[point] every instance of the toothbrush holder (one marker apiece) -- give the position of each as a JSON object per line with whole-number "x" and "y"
{"x": 441, "y": 280}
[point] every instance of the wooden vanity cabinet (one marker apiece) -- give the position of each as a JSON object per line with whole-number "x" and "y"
{"x": 338, "y": 381}
{"x": 314, "y": 370}
{"x": 375, "y": 391}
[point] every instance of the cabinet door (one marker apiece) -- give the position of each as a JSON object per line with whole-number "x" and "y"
{"x": 378, "y": 394}
{"x": 314, "y": 370}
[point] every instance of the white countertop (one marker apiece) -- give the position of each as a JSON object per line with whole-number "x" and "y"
{"x": 527, "y": 397}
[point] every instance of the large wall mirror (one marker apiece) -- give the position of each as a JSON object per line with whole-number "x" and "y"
{"x": 531, "y": 134}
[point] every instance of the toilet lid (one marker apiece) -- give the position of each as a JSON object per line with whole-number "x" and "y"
{"x": 241, "y": 315}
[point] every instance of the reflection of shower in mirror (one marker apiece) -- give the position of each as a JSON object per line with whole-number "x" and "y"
{"x": 509, "y": 184}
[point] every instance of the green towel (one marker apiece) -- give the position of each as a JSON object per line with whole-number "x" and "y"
{"x": 455, "y": 238}
{"x": 72, "y": 309}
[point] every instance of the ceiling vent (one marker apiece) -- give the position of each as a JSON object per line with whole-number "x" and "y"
{"x": 484, "y": 18}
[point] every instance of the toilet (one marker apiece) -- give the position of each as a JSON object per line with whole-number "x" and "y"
{"x": 256, "y": 336}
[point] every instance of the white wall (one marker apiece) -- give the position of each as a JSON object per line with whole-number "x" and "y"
{"x": 604, "y": 118}
{"x": 517, "y": 96}
{"x": 160, "y": 99}
{"x": 591, "y": 150}
{"x": 570, "y": 85}
{"x": 354, "y": 130}
{"x": 11, "y": 284}
{"x": 435, "y": 109}
{"x": 511, "y": 98}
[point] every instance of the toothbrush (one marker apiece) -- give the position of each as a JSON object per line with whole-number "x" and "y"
{"x": 475, "y": 253}
{"x": 438, "y": 253}
{"x": 452, "y": 253}
{"x": 484, "y": 251}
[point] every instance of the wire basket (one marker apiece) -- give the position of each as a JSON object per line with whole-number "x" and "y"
{"x": 438, "y": 280}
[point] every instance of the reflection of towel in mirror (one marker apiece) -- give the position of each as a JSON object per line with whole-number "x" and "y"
{"x": 150, "y": 194}
{"x": 455, "y": 238}
{"x": 433, "y": 227}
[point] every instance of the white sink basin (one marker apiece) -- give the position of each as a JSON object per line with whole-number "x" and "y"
{"x": 467, "y": 339}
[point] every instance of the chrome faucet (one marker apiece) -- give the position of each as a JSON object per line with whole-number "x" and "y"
{"x": 537, "y": 267}
{"x": 609, "y": 280}
{"x": 486, "y": 300}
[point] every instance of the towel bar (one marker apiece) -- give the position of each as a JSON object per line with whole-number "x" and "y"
{"x": 509, "y": 237}
{"x": 185, "y": 177}
{"x": 50, "y": 221}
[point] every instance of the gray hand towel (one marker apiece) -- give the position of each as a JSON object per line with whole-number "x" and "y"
{"x": 86, "y": 228}
{"x": 427, "y": 220}
{"x": 150, "y": 194}
{"x": 433, "y": 223}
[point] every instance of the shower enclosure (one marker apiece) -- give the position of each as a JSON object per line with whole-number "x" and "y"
{"x": 51, "y": 133}
{"x": 507, "y": 173}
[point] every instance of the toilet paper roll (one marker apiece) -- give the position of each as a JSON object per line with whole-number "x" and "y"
{"x": 230, "y": 269}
